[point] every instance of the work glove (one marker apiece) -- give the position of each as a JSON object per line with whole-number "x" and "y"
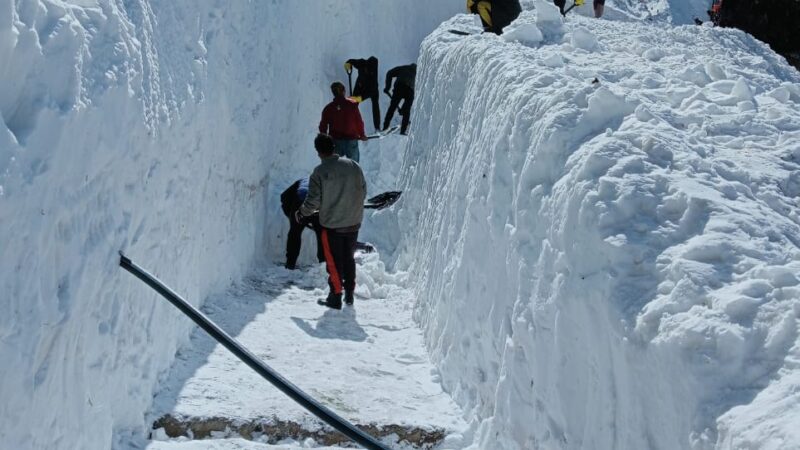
{"x": 579, "y": 2}
{"x": 348, "y": 67}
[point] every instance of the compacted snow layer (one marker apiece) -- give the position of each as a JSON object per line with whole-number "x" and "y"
{"x": 367, "y": 361}
{"x": 231, "y": 444}
{"x": 603, "y": 225}
{"x": 166, "y": 129}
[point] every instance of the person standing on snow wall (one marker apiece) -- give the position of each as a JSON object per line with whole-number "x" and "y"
{"x": 336, "y": 189}
{"x": 291, "y": 199}
{"x": 403, "y": 91}
{"x": 495, "y": 14}
{"x": 342, "y": 121}
{"x": 366, "y": 85}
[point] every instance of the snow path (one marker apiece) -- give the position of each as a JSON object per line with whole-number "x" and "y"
{"x": 367, "y": 362}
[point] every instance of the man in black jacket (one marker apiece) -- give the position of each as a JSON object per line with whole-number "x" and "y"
{"x": 495, "y": 14}
{"x": 403, "y": 91}
{"x": 291, "y": 199}
{"x": 366, "y": 84}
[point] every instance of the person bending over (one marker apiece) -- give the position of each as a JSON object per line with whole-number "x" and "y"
{"x": 495, "y": 14}
{"x": 291, "y": 199}
{"x": 367, "y": 85}
{"x": 403, "y": 91}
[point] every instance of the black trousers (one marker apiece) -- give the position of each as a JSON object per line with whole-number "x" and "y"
{"x": 376, "y": 110}
{"x": 339, "y": 249}
{"x": 295, "y": 239}
{"x": 406, "y": 95}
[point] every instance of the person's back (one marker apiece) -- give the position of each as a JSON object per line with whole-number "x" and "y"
{"x": 504, "y": 12}
{"x": 342, "y": 189}
{"x": 495, "y": 14}
{"x": 367, "y": 80}
{"x": 341, "y": 119}
{"x": 404, "y": 75}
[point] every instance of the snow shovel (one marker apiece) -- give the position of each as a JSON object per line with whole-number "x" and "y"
{"x": 349, "y": 69}
{"x": 384, "y": 133}
{"x": 383, "y": 201}
{"x": 576, "y": 3}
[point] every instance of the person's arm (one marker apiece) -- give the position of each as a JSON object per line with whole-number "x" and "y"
{"x": 325, "y": 121}
{"x": 360, "y": 122}
{"x": 357, "y": 63}
{"x": 363, "y": 186}
{"x": 389, "y": 75}
{"x": 314, "y": 198}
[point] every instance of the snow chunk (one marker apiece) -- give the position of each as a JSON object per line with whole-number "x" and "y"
{"x": 547, "y": 13}
{"x": 553, "y": 60}
{"x": 715, "y": 71}
{"x": 741, "y": 90}
{"x": 654, "y": 54}
{"x": 549, "y": 21}
{"x": 584, "y": 39}
{"x": 526, "y": 34}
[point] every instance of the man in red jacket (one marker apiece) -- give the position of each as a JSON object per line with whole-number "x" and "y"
{"x": 342, "y": 121}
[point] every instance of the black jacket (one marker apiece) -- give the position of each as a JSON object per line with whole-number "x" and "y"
{"x": 291, "y": 200}
{"x": 406, "y": 75}
{"x": 367, "y": 81}
{"x": 504, "y": 12}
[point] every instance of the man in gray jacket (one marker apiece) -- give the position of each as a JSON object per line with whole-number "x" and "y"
{"x": 337, "y": 190}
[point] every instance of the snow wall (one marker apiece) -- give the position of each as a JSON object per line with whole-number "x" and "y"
{"x": 166, "y": 129}
{"x": 610, "y": 264}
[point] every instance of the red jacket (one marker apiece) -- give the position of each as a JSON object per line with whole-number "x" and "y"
{"x": 342, "y": 120}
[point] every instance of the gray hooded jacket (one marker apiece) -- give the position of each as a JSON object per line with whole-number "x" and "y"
{"x": 337, "y": 190}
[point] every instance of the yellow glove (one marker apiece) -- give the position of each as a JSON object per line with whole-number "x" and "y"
{"x": 357, "y": 99}
{"x": 578, "y": 2}
{"x": 470, "y": 4}
{"x": 348, "y": 67}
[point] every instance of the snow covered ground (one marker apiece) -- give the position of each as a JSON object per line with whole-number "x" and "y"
{"x": 610, "y": 263}
{"x": 367, "y": 362}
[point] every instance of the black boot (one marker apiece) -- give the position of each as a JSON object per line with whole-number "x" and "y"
{"x": 333, "y": 301}
{"x": 348, "y": 298}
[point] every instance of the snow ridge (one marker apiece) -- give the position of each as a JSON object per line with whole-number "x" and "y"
{"x": 610, "y": 263}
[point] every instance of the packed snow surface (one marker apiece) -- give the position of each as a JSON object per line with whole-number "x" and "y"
{"x": 366, "y": 362}
{"x": 166, "y": 129}
{"x": 603, "y": 225}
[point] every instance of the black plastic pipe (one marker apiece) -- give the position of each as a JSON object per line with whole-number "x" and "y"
{"x": 303, "y": 399}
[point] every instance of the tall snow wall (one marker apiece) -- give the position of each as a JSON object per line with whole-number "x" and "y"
{"x": 165, "y": 129}
{"x": 602, "y": 222}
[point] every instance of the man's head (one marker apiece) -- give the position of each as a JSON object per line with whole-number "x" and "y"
{"x": 324, "y": 145}
{"x": 337, "y": 89}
